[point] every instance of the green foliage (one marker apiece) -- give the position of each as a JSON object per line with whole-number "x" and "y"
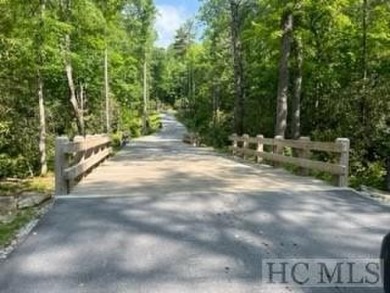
{"x": 131, "y": 122}
{"x": 370, "y": 174}
{"x": 14, "y": 166}
{"x": 33, "y": 43}
{"x": 154, "y": 122}
{"x": 116, "y": 140}
{"x": 8, "y": 231}
{"x": 345, "y": 91}
{"x": 38, "y": 184}
{"x": 346, "y": 76}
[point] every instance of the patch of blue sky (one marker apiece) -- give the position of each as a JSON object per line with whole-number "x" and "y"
{"x": 171, "y": 15}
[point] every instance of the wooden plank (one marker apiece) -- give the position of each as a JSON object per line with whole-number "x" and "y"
{"x": 311, "y": 145}
{"x": 344, "y": 160}
{"x": 297, "y": 144}
{"x": 89, "y": 143}
{"x": 260, "y": 147}
{"x": 236, "y": 138}
{"x": 77, "y": 170}
{"x": 77, "y": 159}
{"x": 60, "y": 164}
{"x": 245, "y": 145}
{"x": 191, "y": 138}
{"x": 234, "y": 143}
{"x": 303, "y": 154}
{"x": 304, "y": 163}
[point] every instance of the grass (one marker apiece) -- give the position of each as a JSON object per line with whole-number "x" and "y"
{"x": 9, "y": 230}
{"x": 154, "y": 122}
{"x": 222, "y": 150}
{"x": 38, "y": 184}
{"x": 12, "y": 187}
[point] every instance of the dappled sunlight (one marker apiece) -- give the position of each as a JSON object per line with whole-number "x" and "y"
{"x": 190, "y": 221}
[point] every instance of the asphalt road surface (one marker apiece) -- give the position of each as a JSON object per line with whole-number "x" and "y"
{"x": 162, "y": 216}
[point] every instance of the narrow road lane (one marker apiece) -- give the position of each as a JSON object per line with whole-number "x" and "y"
{"x": 162, "y": 216}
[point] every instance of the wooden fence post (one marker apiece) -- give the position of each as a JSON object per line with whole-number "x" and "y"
{"x": 90, "y": 152}
{"x": 260, "y": 147}
{"x": 344, "y": 161}
{"x": 234, "y": 144}
{"x": 245, "y": 145}
{"x": 79, "y": 157}
{"x": 61, "y": 185}
{"x": 278, "y": 149}
{"x": 304, "y": 154}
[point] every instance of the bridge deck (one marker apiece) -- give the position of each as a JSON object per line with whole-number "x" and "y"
{"x": 162, "y": 216}
{"x": 162, "y": 164}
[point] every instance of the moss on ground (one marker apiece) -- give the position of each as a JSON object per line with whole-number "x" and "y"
{"x": 39, "y": 184}
{"x": 8, "y": 230}
{"x": 13, "y": 187}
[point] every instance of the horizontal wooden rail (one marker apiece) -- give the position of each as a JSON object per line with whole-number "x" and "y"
{"x": 83, "y": 166}
{"x": 86, "y": 144}
{"x": 191, "y": 138}
{"x": 297, "y": 144}
{"x": 302, "y": 147}
{"x": 73, "y": 159}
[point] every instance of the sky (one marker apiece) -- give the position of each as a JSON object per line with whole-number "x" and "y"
{"x": 171, "y": 15}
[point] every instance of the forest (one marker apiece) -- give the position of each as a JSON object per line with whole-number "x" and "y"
{"x": 70, "y": 67}
{"x": 272, "y": 67}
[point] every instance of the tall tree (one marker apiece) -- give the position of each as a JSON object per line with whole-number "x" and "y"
{"x": 146, "y": 13}
{"x": 235, "y": 23}
{"x": 298, "y": 74}
{"x": 364, "y": 60}
{"x": 52, "y": 75}
{"x": 284, "y": 77}
{"x": 66, "y": 7}
{"x": 40, "y": 88}
{"x": 107, "y": 88}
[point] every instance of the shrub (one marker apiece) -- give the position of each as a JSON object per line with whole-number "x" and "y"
{"x": 14, "y": 166}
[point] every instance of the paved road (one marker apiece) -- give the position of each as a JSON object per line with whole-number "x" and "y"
{"x": 162, "y": 216}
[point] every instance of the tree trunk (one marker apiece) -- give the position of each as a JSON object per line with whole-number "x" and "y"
{"x": 281, "y": 114}
{"x": 69, "y": 72}
{"x": 82, "y": 101}
{"x": 214, "y": 95}
{"x": 188, "y": 91}
{"x": 107, "y": 90}
{"x": 145, "y": 100}
{"x": 40, "y": 86}
{"x": 364, "y": 39}
{"x": 364, "y": 63}
{"x": 42, "y": 125}
{"x": 72, "y": 89}
{"x": 296, "y": 102}
{"x": 238, "y": 68}
{"x": 388, "y": 174}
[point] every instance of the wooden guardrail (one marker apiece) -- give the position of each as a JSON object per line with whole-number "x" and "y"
{"x": 303, "y": 148}
{"x": 73, "y": 159}
{"x": 191, "y": 138}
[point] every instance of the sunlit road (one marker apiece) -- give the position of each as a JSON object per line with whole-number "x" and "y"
{"x": 162, "y": 216}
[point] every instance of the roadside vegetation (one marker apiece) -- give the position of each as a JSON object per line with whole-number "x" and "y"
{"x": 9, "y": 230}
{"x": 71, "y": 68}
{"x": 287, "y": 68}
{"x": 20, "y": 218}
{"x": 37, "y": 184}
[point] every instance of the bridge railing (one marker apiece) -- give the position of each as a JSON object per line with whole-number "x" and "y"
{"x": 255, "y": 147}
{"x": 74, "y": 159}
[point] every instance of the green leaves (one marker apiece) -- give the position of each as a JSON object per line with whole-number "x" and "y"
{"x": 337, "y": 101}
{"x": 32, "y": 42}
